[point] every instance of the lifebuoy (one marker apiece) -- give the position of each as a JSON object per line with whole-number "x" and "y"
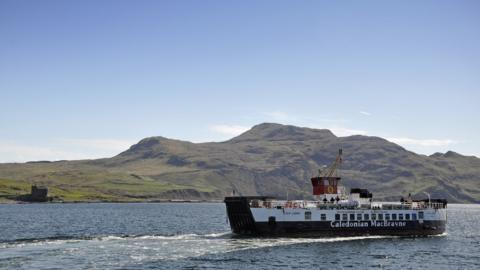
{"x": 330, "y": 189}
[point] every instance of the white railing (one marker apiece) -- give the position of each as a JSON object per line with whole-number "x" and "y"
{"x": 343, "y": 204}
{"x": 283, "y": 204}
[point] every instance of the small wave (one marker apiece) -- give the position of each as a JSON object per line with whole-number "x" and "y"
{"x": 45, "y": 239}
{"x": 42, "y": 241}
{"x": 267, "y": 242}
{"x": 188, "y": 236}
{"x": 58, "y": 238}
{"x": 109, "y": 238}
{"x": 67, "y": 238}
{"x": 167, "y": 237}
{"x": 439, "y": 235}
{"x": 219, "y": 235}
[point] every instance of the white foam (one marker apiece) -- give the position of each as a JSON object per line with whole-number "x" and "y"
{"x": 176, "y": 246}
{"x": 439, "y": 235}
{"x": 167, "y": 237}
{"x": 109, "y": 238}
{"x": 219, "y": 235}
{"x": 251, "y": 243}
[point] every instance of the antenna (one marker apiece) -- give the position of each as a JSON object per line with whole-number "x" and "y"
{"x": 428, "y": 194}
{"x": 332, "y": 170}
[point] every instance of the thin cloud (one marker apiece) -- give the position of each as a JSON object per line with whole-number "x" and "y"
{"x": 62, "y": 149}
{"x": 422, "y": 142}
{"x": 365, "y": 113}
{"x": 15, "y": 152}
{"x": 279, "y": 116}
{"x": 231, "y": 130}
{"x": 104, "y": 144}
{"x": 342, "y": 131}
{"x": 287, "y": 118}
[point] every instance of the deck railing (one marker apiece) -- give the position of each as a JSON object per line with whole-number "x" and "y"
{"x": 344, "y": 205}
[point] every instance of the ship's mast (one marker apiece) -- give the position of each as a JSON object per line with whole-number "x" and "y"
{"x": 326, "y": 184}
{"x": 332, "y": 170}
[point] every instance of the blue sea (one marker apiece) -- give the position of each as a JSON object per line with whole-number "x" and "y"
{"x": 197, "y": 236}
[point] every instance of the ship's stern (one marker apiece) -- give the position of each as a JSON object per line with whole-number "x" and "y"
{"x": 239, "y": 215}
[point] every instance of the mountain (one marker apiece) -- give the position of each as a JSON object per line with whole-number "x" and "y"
{"x": 269, "y": 159}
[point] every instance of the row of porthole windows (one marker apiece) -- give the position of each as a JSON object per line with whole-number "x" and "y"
{"x": 387, "y": 216}
{"x": 359, "y": 217}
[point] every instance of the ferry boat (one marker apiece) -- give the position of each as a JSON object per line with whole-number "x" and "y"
{"x": 335, "y": 213}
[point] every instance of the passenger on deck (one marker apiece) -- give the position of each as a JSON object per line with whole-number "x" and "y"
{"x": 332, "y": 200}
{"x": 325, "y": 200}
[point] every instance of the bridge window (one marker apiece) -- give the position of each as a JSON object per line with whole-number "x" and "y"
{"x": 414, "y": 216}
{"x": 374, "y": 216}
{"x": 337, "y": 216}
{"x": 366, "y": 217}
{"x": 387, "y": 216}
{"x": 400, "y": 216}
{"x": 380, "y": 216}
{"x": 420, "y": 215}
{"x": 359, "y": 216}
{"x": 308, "y": 215}
{"x": 323, "y": 217}
{"x": 407, "y": 216}
{"x": 344, "y": 217}
{"x": 352, "y": 216}
{"x": 394, "y": 216}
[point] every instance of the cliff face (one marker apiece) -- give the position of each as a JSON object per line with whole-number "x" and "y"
{"x": 269, "y": 159}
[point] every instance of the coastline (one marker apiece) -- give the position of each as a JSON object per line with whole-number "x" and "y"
{"x": 75, "y": 202}
{"x": 6, "y": 202}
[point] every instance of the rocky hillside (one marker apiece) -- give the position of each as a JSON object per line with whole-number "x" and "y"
{"x": 269, "y": 159}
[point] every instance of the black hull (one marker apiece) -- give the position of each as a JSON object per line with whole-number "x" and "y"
{"x": 324, "y": 229}
{"x": 242, "y": 222}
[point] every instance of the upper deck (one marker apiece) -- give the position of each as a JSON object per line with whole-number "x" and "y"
{"x": 347, "y": 205}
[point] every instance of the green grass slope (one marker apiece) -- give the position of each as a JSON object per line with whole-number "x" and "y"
{"x": 269, "y": 159}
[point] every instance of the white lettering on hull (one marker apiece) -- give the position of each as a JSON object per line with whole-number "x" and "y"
{"x": 362, "y": 224}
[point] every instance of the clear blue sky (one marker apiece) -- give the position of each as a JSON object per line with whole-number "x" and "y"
{"x": 84, "y": 79}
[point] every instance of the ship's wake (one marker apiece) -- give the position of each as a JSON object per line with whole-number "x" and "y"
{"x": 127, "y": 250}
{"x": 225, "y": 241}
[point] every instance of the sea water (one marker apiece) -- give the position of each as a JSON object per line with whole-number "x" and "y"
{"x": 197, "y": 236}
